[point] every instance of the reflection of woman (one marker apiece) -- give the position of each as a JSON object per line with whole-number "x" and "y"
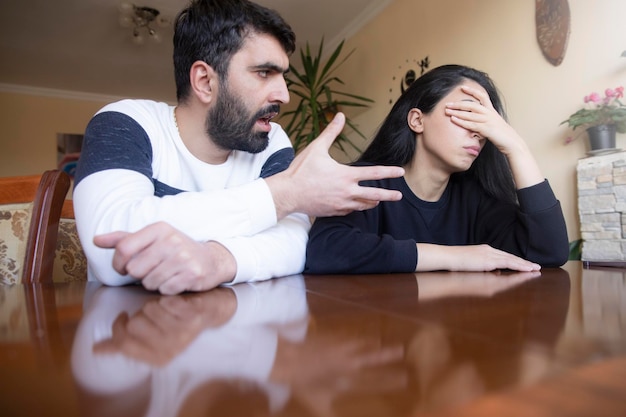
{"x": 474, "y": 198}
{"x": 150, "y": 352}
{"x": 465, "y": 335}
{"x": 474, "y": 343}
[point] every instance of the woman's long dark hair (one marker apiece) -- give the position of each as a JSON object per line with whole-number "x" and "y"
{"x": 394, "y": 143}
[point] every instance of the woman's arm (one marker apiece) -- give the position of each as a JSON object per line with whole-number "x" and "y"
{"x": 353, "y": 244}
{"x": 432, "y": 257}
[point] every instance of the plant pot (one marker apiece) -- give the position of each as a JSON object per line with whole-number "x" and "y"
{"x": 601, "y": 137}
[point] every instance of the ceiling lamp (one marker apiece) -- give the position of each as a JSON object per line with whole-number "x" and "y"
{"x": 141, "y": 19}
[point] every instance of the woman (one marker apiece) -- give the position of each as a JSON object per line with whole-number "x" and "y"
{"x": 474, "y": 198}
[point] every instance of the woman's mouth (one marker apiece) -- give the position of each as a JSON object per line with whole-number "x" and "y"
{"x": 473, "y": 150}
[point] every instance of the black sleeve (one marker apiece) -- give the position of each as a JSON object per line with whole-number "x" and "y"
{"x": 277, "y": 162}
{"x": 114, "y": 140}
{"x": 535, "y": 231}
{"x": 351, "y": 245}
{"x": 549, "y": 245}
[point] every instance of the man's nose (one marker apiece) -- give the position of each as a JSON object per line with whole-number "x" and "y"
{"x": 281, "y": 92}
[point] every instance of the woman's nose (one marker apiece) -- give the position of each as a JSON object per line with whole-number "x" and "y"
{"x": 478, "y": 136}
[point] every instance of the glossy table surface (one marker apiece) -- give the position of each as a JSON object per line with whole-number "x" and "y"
{"x": 427, "y": 344}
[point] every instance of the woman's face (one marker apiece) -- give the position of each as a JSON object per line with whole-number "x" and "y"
{"x": 443, "y": 145}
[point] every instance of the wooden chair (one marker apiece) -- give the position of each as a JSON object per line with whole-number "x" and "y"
{"x": 30, "y": 209}
{"x": 70, "y": 263}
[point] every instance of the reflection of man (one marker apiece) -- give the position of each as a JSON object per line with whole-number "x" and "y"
{"x": 205, "y": 193}
{"x": 131, "y": 341}
{"x": 228, "y": 347}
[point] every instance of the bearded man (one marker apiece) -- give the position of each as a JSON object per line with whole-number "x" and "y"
{"x": 207, "y": 192}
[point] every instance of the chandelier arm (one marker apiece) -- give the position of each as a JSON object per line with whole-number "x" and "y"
{"x": 141, "y": 18}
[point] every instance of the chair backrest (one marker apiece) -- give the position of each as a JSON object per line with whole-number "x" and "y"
{"x": 70, "y": 263}
{"x": 30, "y": 209}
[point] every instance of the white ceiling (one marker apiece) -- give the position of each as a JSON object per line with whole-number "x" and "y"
{"x": 78, "y": 46}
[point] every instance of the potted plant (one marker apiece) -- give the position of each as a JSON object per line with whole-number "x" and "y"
{"x": 319, "y": 100}
{"x": 602, "y": 117}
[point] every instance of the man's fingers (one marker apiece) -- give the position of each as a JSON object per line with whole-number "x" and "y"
{"x": 127, "y": 245}
{"x": 109, "y": 240}
{"x": 371, "y": 196}
{"x": 376, "y": 195}
{"x": 131, "y": 243}
{"x": 377, "y": 172}
{"x": 334, "y": 128}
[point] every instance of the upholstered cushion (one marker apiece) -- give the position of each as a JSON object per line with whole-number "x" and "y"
{"x": 70, "y": 263}
{"x": 14, "y": 224}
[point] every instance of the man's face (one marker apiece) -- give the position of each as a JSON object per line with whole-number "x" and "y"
{"x": 231, "y": 124}
{"x": 249, "y": 96}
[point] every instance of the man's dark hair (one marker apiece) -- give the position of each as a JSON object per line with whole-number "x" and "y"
{"x": 214, "y": 30}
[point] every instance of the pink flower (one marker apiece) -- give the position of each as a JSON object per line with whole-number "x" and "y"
{"x": 598, "y": 110}
{"x": 593, "y": 97}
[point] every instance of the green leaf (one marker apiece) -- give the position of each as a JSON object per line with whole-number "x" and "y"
{"x": 575, "y": 248}
{"x": 315, "y": 85}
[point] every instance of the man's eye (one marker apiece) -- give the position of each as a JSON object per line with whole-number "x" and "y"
{"x": 264, "y": 73}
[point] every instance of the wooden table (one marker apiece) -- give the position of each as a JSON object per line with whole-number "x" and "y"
{"x": 428, "y": 344}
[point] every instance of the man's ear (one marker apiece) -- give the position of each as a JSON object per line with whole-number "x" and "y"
{"x": 204, "y": 81}
{"x": 415, "y": 119}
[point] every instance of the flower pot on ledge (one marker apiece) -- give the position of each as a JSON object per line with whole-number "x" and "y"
{"x": 601, "y": 137}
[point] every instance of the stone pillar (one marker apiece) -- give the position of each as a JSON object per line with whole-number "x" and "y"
{"x": 602, "y": 206}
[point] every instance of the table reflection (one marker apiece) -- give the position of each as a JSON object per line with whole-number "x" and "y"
{"x": 136, "y": 352}
{"x": 294, "y": 346}
{"x": 485, "y": 332}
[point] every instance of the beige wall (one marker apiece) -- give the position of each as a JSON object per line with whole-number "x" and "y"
{"x": 30, "y": 124}
{"x": 498, "y": 37}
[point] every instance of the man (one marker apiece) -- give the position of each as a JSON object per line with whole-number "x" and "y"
{"x": 189, "y": 197}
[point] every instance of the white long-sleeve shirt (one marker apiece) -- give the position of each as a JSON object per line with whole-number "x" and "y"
{"x": 134, "y": 170}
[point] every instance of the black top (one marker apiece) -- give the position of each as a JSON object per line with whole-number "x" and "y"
{"x": 383, "y": 239}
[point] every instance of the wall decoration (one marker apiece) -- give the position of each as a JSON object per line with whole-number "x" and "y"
{"x": 552, "y": 20}
{"x": 411, "y": 68}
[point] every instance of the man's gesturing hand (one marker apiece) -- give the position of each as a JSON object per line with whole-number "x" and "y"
{"x": 319, "y": 186}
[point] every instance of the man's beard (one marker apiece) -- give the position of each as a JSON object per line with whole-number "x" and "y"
{"x": 230, "y": 129}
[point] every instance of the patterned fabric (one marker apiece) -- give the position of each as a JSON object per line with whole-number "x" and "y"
{"x": 70, "y": 263}
{"x": 14, "y": 224}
